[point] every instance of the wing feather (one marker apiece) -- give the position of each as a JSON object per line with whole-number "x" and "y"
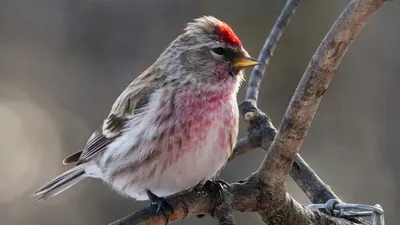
{"x": 131, "y": 101}
{"x": 97, "y": 143}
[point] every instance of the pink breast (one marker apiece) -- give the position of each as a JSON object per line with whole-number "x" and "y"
{"x": 197, "y": 116}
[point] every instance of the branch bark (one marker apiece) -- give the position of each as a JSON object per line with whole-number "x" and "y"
{"x": 264, "y": 191}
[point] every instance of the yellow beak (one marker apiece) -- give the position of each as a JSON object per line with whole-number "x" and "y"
{"x": 243, "y": 62}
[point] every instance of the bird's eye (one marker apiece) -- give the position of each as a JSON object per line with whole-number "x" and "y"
{"x": 218, "y": 51}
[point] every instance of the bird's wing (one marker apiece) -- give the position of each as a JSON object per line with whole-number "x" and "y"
{"x": 128, "y": 104}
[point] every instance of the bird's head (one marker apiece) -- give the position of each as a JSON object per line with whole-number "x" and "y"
{"x": 209, "y": 52}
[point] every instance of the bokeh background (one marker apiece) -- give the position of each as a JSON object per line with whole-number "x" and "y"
{"x": 63, "y": 63}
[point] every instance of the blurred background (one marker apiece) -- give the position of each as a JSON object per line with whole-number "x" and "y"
{"x": 63, "y": 63}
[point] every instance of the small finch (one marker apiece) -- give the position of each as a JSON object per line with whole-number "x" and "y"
{"x": 174, "y": 126}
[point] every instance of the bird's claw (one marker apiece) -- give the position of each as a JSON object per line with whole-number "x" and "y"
{"x": 220, "y": 185}
{"x": 161, "y": 205}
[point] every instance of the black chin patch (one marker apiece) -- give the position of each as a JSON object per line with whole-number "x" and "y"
{"x": 233, "y": 72}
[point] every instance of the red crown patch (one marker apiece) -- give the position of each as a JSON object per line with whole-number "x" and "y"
{"x": 227, "y": 35}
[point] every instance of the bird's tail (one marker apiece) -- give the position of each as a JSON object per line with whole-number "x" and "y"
{"x": 60, "y": 183}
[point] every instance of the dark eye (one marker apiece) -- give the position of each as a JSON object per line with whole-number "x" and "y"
{"x": 218, "y": 51}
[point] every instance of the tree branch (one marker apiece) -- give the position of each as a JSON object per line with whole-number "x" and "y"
{"x": 310, "y": 183}
{"x": 306, "y": 99}
{"x": 264, "y": 191}
{"x": 312, "y": 86}
{"x": 246, "y": 196}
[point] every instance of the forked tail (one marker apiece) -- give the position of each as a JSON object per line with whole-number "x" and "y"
{"x": 60, "y": 183}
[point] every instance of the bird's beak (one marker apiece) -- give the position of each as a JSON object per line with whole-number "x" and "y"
{"x": 241, "y": 62}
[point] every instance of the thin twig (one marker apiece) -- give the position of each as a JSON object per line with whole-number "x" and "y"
{"x": 311, "y": 184}
{"x": 268, "y": 49}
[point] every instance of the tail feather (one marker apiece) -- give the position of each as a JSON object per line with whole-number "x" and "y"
{"x": 60, "y": 183}
{"x": 72, "y": 158}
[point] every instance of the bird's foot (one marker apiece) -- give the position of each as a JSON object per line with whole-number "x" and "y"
{"x": 222, "y": 183}
{"x": 217, "y": 185}
{"x": 213, "y": 183}
{"x": 160, "y": 204}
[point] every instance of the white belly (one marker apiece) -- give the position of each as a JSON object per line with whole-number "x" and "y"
{"x": 193, "y": 167}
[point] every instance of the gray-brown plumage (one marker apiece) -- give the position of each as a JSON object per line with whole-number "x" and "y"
{"x": 175, "y": 125}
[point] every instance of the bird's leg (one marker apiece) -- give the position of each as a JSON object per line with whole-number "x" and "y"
{"x": 161, "y": 205}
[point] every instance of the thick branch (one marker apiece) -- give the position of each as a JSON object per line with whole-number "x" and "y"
{"x": 246, "y": 196}
{"x": 305, "y": 101}
{"x": 314, "y": 83}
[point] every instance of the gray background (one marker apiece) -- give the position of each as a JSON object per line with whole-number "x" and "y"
{"x": 63, "y": 63}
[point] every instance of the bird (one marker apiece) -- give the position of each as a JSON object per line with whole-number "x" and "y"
{"x": 174, "y": 126}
